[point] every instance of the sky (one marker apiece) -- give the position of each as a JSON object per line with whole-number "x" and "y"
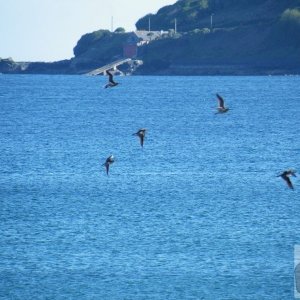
{"x": 48, "y": 30}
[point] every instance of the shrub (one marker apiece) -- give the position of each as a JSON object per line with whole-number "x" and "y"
{"x": 291, "y": 16}
{"x": 120, "y": 30}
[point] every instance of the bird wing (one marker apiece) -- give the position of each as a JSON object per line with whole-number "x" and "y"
{"x": 142, "y": 140}
{"x": 110, "y": 79}
{"x": 288, "y": 181}
{"x": 221, "y": 101}
{"x": 107, "y": 168}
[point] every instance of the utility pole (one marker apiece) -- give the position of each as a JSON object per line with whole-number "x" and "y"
{"x": 175, "y": 26}
{"x": 149, "y": 24}
{"x": 112, "y": 24}
{"x": 211, "y": 22}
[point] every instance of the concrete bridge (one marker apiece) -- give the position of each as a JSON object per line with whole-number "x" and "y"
{"x": 113, "y": 65}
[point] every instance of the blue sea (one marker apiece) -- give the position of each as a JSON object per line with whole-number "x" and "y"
{"x": 198, "y": 213}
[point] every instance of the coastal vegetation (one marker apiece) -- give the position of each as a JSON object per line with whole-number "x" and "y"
{"x": 98, "y": 48}
{"x": 211, "y": 37}
{"x": 229, "y": 36}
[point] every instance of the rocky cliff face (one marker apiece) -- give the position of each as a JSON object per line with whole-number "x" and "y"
{"x": 7, "y": 65}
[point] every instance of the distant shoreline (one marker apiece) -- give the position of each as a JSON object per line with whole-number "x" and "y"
{"x": 173, "y": 70}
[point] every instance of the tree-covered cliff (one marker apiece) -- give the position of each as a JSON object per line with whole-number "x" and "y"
{"x": 192, "y": 14}
{"x": 247, "y": 36}
{"x": 98, "y": 48}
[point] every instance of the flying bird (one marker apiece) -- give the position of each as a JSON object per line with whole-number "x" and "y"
{"x": 221, "y": 108}
{"x": 285, "y": 175}
{"x": 111, "y": 82}
{"x": 141, "y": 134}
{"x": 108, "y": 162}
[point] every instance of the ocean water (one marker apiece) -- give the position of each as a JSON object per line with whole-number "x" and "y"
{"x": 198, "y": 213}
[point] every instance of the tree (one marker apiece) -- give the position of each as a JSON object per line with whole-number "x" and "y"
{"x": 120, "y": 30}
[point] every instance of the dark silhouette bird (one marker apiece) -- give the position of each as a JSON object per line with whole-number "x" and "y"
{"x": 221, "y": 108}
{"x": 108, "y": 162}
{"x": 141, "y": 134}
{"x": 285, "y": 175}
{"x": 111, "y": 82}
